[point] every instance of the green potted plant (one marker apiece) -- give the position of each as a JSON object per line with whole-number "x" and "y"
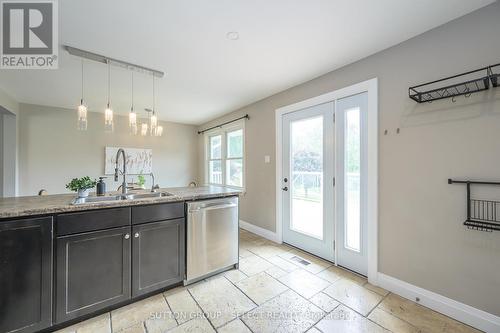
{"x": 141, "y": 180}
{"x": 81, "y": 185}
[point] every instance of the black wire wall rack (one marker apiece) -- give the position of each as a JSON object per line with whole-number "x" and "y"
{"x": 482, "y": 215}
{"x": 457, "y": 85}
{"x": 494, "y": 75}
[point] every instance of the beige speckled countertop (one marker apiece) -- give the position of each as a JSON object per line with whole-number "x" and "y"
{"x": 60, "y": 203}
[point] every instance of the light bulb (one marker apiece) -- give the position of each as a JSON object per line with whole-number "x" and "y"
{"x": 132, "y": 120}
{"x": 82, "y": 117}
{"x": 159, "y": 131}
{"x": 108, "y": 119}
{"x": 153, "y": 123}
{"x": 144, "y": 129}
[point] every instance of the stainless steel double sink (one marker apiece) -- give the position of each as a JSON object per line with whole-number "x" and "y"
{"x": 120, "y": 197}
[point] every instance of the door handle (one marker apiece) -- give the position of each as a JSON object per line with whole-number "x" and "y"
{"x": 127, "y": 236}
{"x": 201, "y": 209}
{"x": 136, "y": 235}
{"x": 285, "y": 188}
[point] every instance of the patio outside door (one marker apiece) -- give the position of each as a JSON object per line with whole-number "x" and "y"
{"x": 308, "y": 179}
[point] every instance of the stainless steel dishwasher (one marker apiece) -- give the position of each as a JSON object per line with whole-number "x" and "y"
{"x": 212, "y": 237}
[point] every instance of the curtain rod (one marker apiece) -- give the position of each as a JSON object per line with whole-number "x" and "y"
{"x": 227, "y": 122}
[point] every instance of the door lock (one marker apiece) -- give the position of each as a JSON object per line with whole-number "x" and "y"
{"x": 127, "y": 236}
{"x": 285, "y": 188}
{"x": 136, "y": 235}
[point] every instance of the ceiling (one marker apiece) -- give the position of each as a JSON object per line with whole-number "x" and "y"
{"x": 281, "y": 43}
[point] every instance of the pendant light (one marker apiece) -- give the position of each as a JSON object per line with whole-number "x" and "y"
{"x": 159, "y": 128}
{"x": 144, "y": 129}
{"x": 153, "y": 120}
{"x": 108, "y": 113}
{"x": 82, "y": 111}
{"x": 132, "y": 117}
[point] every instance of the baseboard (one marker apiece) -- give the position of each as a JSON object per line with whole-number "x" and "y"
{"x": 267, "y": 234}
{"x": 464, "y": 313}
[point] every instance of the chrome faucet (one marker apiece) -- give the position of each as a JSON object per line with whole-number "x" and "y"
{"x": 152, "y": 182}
{"x": 123, "y": 172}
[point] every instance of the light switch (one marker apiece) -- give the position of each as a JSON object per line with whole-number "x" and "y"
{"x": 267, "y": 159}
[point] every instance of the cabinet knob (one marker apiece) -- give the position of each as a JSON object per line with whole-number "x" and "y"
{"x": 127, "y": 236}
{"x": 136, "y": 235}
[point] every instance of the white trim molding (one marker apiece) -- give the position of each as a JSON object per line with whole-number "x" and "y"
{"x": 462, "y": 312}
{"x": 370, "y": 86}
{"x": 267, "y": 234}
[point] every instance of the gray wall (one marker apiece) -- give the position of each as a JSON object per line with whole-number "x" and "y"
{"x": 52, "y": 151}
{"x": 421, "y": 237}
{"x": 10, "y": 107}
{"x": 1, "y": 153}
{"x": 8, "y": 153}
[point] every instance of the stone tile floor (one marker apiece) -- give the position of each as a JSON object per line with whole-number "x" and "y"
{"x": 273, "y": 292}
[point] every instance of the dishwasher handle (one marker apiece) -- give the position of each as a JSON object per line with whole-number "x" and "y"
{"x": 202, "y": 209}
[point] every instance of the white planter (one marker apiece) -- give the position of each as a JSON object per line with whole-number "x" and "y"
{"x": 83, "y": 193}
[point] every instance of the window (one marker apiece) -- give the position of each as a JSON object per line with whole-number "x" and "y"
{"x": 225, "y": 157}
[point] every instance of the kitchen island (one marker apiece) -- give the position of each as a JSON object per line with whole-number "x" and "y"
{"x": 63, "y": 263}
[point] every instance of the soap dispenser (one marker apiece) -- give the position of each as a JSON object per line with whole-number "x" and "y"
{"x": 101, "y": 187}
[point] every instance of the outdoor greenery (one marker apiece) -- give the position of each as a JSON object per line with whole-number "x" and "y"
{"x": 83, "y": 183}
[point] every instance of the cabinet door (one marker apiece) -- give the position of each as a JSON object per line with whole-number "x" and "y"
{"x": 25, "y": 275}
{"x": 157, "y": 256}
{"x": 93, "y": 272}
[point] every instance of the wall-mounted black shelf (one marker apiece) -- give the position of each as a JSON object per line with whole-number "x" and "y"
{"x": 482, "y": 215}
{"x": 456, "y": 85}
{"x": 495, "y": 75}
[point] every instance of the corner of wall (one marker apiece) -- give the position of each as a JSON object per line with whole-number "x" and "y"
{"x": 9, "y": 104}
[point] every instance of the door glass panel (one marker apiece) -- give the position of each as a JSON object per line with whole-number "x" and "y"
{"x": 306, "y": 186}
{"x": 352, "y": 169}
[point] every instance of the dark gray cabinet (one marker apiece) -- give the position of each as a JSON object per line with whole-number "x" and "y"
{"x": 59, "y": 268}
{"x": 157, "y": 255}
{"x": 25, "y": 275}
{"x": 93, "y": 272}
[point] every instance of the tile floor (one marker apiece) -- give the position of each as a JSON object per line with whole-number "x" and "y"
{"x": 273, "y": 292}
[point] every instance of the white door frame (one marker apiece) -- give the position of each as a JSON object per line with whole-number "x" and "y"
{"x": 370, "y": 86}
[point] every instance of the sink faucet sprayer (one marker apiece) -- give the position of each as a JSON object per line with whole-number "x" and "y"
{"x": 124, "y": 172}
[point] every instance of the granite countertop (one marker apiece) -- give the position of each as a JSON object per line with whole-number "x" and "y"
{"x": 60, "y": 203}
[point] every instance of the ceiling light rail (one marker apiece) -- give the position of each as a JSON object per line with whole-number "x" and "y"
{"x": 111, "y": 61}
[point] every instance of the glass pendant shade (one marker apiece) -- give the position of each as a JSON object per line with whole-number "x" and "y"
{"x": 159, "y": 130}
{"x": 153, "y": 123}
{"x": 108, "y": 119}
{"x": 144, "y": 129}
{"x": 82, "y": 117}
{"x": 82, "y": 111}
{"x": 132, "y": 122}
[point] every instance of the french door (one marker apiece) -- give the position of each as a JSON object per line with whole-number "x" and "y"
{"x": 351, "y": 170}
{"x": 308, "y": 183}
{"x": 324, "y": 180}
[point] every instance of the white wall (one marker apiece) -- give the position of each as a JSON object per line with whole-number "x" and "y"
{"x": 52, "y": 151}
{"x": 421, "y": 237}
